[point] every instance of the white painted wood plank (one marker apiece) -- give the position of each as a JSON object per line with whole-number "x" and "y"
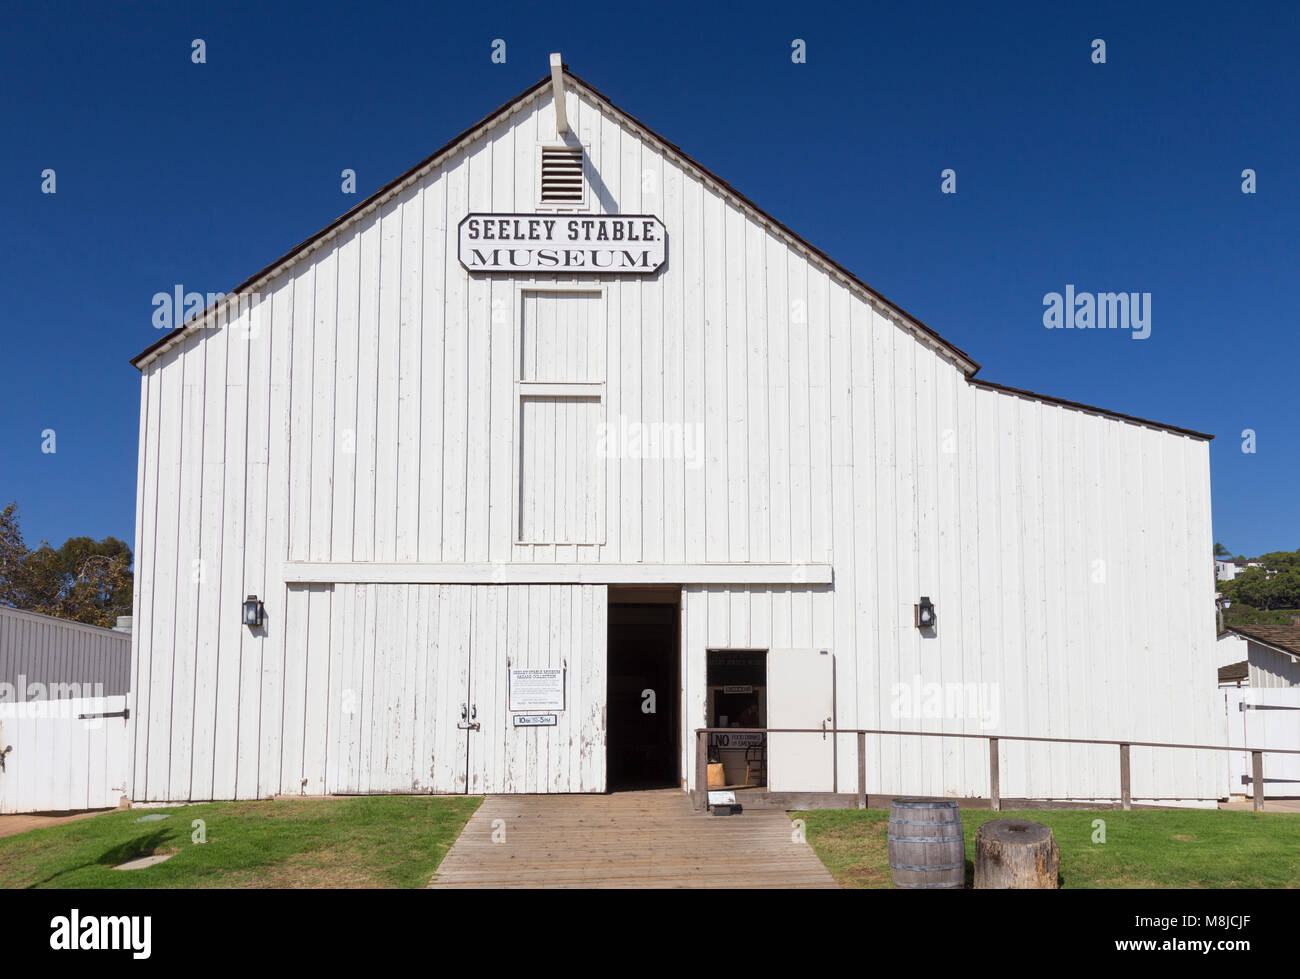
{"x": 410, "y": 354}
{"x": 316, "y": 688}
{"x": 736, "y": 391}
{"x": 614, "y": 574}
{"x": 252, "y": 647}
{"x": 178, "y": 732}
{"x": 366, "y": 494}
{"x": 279, "y": 442}
{"x": 146, "y": 522}
{"x": 321, "y": 400}
{"x": 456, "y": 382}
{"x": 758, "y": 425}
{"x": 388, "y": 391}
{"x": 343, "y": 500}
{"x": 433, "y": 314}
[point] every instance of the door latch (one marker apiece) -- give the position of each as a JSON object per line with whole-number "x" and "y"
{"x": 468, "y": 717}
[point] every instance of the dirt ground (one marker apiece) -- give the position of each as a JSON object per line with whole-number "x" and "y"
{"x": 12, "y": 825}
{"x": 1270, "y": 805}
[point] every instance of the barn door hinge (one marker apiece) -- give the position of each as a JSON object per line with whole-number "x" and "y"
{"x": 124, "y": 712}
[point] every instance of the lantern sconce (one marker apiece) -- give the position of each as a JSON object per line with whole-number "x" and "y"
{"x": 254, "y": 612}
{"x": 924, "y": 614}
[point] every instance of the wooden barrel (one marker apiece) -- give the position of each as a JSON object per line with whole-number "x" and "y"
{"x": 926, "y": 846}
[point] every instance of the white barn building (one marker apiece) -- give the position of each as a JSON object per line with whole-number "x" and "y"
{"x": 557, "y": 448}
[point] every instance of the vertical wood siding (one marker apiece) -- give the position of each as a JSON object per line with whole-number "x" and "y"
{"x": 365, "y": 409}
{"x": 1271, "y": 669}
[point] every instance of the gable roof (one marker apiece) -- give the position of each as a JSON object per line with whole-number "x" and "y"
{"x": 923, "y": 333}
{"x": 395, "y": 186}
{"x": 1283, "y": 638}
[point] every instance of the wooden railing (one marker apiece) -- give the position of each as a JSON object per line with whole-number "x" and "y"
{"x": 995, "y": 793}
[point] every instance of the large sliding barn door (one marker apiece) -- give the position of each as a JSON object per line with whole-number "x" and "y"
{"x": 419, "y": 688}
{"x": 538, "y": 627}
{"x": 403, "y": 659}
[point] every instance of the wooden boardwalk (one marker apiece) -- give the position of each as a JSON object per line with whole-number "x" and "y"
{"x": 625, "y": 839}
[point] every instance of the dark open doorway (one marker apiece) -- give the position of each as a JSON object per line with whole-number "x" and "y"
{"x": 644, "y": 691}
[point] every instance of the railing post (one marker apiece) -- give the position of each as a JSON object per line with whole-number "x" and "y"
{"x": 995, "y": 777}
{"x": 1125, "y": 781}
{"x": 862, "y": 770}
{"x": 1257, "y": 778}
{"x": 701, "y": 769}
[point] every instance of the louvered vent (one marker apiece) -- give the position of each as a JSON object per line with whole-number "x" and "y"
{"x": 562, "y": 175}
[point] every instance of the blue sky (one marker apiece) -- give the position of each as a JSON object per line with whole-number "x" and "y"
{"x": 1117, "y": 177}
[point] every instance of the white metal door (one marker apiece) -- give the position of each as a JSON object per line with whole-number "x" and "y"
{"x": 801, "y": 694}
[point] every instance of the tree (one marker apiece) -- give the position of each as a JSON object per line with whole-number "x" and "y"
{"x": 1220, "y": 551}
{"x": 1280, "y": 560}
{"x": 12, "y": 552}
{"x": 1259, "y": 589}
{"x": 85, "y": 580}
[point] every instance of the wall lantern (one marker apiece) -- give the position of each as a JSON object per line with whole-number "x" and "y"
{"x": 254, "y": 612}
{"x": 925, "y": 614}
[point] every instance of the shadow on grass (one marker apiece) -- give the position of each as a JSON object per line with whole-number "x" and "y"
{"x": 141, "y": 846}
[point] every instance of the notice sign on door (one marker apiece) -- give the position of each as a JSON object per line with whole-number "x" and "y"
{"x": 600, "y": 243}
{"x": 536, "y": 690}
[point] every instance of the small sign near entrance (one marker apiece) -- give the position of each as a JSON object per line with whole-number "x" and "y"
{"x": 600, "y": 243}
{"x": 535, "y": 720}
{"x": 536, "y": 690}
{"x": 738, "y": 688}
{"x": 736, "y": 740}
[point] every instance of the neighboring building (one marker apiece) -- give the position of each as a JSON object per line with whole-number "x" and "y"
{"x": 47, "y": 658}
{"x": 1229, "y": 648}
{"x": 1228, "y": 570}
{"x": 1234, "y": 674}
{"x": 1273, "y": 654}
{"x": 558, "y": 425}
{"x": 64, "y": 689}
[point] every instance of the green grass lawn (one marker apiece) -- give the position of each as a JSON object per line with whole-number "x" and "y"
{"x": 374, "y": 841}
{"x": 1144, "y": 848}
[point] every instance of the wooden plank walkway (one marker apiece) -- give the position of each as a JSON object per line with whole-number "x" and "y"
{"x": 625, "y": 839}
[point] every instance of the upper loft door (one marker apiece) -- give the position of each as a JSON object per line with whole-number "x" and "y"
{"x": 561, "y": 407}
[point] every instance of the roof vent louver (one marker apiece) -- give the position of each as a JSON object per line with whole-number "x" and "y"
{"x": 562, "y": 175}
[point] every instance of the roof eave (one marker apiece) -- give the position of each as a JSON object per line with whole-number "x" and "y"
{"x": 1267, "y": 644}
{"x": 1093, "y": 409}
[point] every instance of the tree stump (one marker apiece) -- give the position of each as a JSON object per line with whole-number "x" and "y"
{"x": 1015, "y": 853}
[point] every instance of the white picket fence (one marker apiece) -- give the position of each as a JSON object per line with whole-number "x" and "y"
{"x": 61, "y": 755}
{"x": 1271, "y": 719}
